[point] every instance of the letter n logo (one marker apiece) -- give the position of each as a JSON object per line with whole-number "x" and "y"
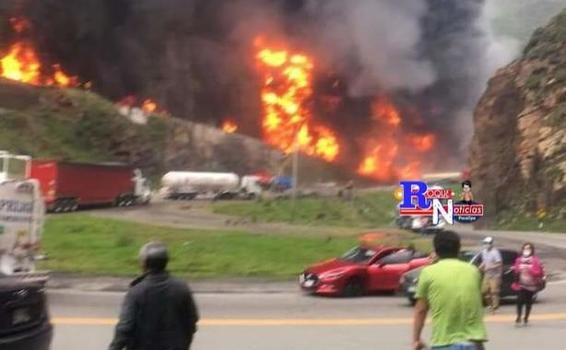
{"x": 446, "y": 214}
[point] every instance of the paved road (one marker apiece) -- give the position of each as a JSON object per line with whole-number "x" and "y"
{"x": 291, "y": 321}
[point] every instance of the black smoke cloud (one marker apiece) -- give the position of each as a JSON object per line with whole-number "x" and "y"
{"x": 195, "y": 56}
{"x": 432, "y": 56}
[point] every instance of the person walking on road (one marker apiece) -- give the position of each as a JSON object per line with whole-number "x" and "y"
{"x": 451, "y": 290}
{"x": 492, "y": 268}
{"x": 158, "y": 312}
{"x": 530, "y": 279}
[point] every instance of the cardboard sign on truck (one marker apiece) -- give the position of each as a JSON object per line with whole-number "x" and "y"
{"x": 22, "y": 212}
{"x": 21, "y": 222}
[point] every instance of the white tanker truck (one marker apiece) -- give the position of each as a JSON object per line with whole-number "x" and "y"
{"x": 190, "y": 184}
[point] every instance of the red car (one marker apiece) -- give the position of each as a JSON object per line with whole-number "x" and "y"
{"x": 362, "y": 270}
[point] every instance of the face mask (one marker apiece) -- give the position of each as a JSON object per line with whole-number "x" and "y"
{"x": 527, "y": 252}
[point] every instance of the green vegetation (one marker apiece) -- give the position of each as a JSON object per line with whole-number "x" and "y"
{"x": 558, "y": 116}
{"x": 75, "y": 125}
{"x": 536, "y": 79}
{"x": 369, "y": 210}
{"x": 514, "y": 222}
{"x": 80, "y": 243}
{"x": 552, "y": 219}
{"x": 546, "y": 42}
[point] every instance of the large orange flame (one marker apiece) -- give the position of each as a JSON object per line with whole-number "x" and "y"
{"x": 287, "y": 121}
{"x": 390, "y": 154}
{"x": 21, "y": 63}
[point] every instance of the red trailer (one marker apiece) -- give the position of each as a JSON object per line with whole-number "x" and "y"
{"x": 67, "y": 186}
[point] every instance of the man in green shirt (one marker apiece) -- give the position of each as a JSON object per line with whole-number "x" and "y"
{"x": 451, "y": 290}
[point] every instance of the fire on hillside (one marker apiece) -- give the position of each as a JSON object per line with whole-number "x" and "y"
{"x": 383, "y": 149}
{"x": 289, "y": 121}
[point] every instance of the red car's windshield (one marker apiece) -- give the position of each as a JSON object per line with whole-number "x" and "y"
{"x": 359, "y": 255}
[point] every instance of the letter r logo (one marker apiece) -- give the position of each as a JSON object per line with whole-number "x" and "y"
{"x": 409, "y": 194}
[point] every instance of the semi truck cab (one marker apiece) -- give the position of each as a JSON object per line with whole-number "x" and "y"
{"x": 142, "y": 187}
{"x": 14, "y": 167}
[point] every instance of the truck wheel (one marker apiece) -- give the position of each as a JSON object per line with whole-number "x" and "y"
{"x": 70, "y": 205}
{"x": 66, "y": 205}
{"x": 58, "y": 206}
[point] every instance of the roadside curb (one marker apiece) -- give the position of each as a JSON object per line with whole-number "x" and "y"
{"x": 241, "y": 286}
{"x": 556, "y": 277}
{"x": 115, "y": 284}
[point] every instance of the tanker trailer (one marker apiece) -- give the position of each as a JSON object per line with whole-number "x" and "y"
{"x": 189, "y": 184}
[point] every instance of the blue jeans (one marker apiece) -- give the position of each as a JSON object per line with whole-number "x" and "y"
{"x": 463, "y": 346}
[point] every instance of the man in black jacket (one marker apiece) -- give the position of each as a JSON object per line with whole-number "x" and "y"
{"x": 159, "y": 312}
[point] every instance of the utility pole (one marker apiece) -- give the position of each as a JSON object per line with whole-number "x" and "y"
{"x": 295, "y": 176}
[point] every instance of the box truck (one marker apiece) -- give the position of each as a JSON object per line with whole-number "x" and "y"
{"x": 66, "y": 186}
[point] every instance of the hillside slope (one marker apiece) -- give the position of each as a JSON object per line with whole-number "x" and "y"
{"x": 518, "y": 153}
{"x": 74, "y": 125}
{"x": 78, "y": 125}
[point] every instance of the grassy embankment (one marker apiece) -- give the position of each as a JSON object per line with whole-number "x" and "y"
{"x": 551, "y": 221}
{"x": 372, "y": 210}
{"x": 80, "y": 243}
{"x": 75, "y": 125}
{"x": 367, "y": 211}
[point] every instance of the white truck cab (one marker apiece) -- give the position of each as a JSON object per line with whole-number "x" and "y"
{"x": 14, "y": 167}
{"x": 250, "y": 186}
{"x": 142, "y": 187}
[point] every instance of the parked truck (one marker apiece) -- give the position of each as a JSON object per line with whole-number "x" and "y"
{"x": 190, "y": 184}
{"x": 67, "y": 186}
{"x": 22, "y": 212}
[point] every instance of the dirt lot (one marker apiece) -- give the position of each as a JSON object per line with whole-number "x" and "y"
{"x": 197, "y": 214}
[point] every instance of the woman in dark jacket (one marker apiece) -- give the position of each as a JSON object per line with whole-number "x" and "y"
{"x": 530, "y": 280}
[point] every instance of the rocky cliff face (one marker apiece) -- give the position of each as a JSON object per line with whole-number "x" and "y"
{"x": 518, "y": 152}
{"x": 198, "y": 147}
